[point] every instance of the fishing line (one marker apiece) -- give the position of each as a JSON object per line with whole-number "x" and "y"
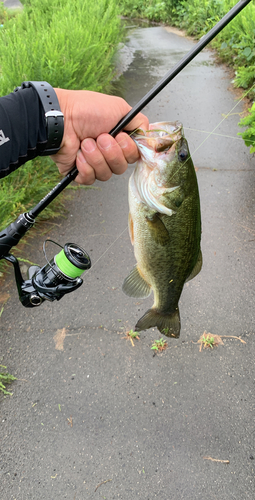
{"x": 89, "y": 271}
{"x": 229, "y": 113}
{"x": 226, "y": 116}
{"x": 43, "y": 283}
{"x": 212, "y": 133}
{"x": 215, "y": 128}
{"x": 209, "y": 135}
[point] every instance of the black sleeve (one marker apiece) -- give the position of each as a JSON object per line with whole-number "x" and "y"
{"x": 23, "y": 133}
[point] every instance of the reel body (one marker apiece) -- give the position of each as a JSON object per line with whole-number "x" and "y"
{"x": 57, "y": 277}
{"x": 51, "y": 282}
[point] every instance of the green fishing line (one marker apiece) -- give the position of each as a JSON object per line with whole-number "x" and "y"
{"x": 66, "y": 267}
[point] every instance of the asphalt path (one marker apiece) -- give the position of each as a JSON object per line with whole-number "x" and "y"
{"x": 93, "y": 416}
{"x": 13, "y": 4}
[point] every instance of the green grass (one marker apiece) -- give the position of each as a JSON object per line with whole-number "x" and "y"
{"x": 133, "y": 335}
{"x": 159, "y": 345}
{"x": 5, "y": 378}
{"x": 70, "y": 44}
{"x": 235, "y": 44}
{"x": 249, "y": 134}
{"x": 208, "y": 341}
{"x": 154, "y": 10}
{"x": 7, "y": 13}
{"x": 22, "y": 189}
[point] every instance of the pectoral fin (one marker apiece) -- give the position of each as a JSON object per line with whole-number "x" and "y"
{"x": 158, "y": 230}
{"x": 197, "y": 268}
{"x": 135, "y": 286}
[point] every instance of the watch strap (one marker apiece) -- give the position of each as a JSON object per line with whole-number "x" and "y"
{"x": 54, "y": 118}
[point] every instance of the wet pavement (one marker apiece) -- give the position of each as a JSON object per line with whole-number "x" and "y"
{"x": 13, "y": 4}
{"x": 93, "y": 416}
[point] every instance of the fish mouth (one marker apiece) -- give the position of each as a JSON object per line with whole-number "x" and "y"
{"x": 161, "y": 137}
{"x": 157, "y": 147}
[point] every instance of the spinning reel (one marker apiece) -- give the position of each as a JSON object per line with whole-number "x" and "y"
{"x": 58, "y": 276}
{"x": 62, "y": 274}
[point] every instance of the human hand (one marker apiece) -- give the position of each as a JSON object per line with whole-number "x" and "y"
{"x": 88, "y": 117}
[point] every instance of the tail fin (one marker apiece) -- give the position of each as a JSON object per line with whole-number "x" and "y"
{"x": 168, "y": 324}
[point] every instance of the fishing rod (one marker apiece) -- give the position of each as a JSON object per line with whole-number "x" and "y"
{"x": 62, "y": 274}
{"x": 172, "y": 73}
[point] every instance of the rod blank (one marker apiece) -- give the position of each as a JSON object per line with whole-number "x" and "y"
{"x": 149, "y": 96}
{"x": 179, "y": 67}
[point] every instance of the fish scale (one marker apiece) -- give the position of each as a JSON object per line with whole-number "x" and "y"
{"x": 164, "y": 225}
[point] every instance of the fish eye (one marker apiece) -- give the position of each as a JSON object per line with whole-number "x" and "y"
{"x": 183, "y": 154}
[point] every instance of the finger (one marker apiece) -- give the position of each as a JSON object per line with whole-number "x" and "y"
{"x": 112, "y": 153}
{"x": 140, "y": 121}
{"x": 128, "y": 146}
{"x": 96, "y": 159}
{"x": 86, "y": 172}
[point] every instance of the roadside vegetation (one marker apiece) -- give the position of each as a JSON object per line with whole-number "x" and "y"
{"x": 5, "y": 378}
{"x": 70, "y": 44}
{"x": 235, "y": 44}
{"x": 5, "y": 13}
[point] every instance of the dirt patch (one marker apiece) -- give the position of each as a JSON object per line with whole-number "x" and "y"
{"x": 59, "y": 339}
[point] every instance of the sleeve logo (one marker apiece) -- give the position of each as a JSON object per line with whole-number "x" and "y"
{"x": 3, "y": 139}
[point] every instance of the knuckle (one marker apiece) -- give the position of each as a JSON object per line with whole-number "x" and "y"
{"x": 105, "y": 176}
{"x": 98, "y": 162}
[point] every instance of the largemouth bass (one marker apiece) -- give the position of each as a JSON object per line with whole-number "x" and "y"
{"x": 164, "y": 224}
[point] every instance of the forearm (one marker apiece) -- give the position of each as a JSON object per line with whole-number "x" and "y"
{"x": 22, "y": 129}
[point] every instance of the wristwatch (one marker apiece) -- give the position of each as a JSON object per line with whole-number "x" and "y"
{"x": 54, "y": 118}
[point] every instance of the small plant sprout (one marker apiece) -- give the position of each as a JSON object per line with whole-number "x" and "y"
{"x": 159, "y": 345}
{"x": 209, "y": 340}
{"x": 5, "y": 378}
{"x": 165, "y": 331}
{"x": 132, "y": 335}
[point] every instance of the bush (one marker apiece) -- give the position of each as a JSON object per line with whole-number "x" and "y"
{"x": 154, "y": 10}
{"x": 70, "y": 44}
{"x": 21, "y": 190}
{"x": 249, "y": 134}
{"x": 197, "y": 17}
{"x": 235, "y": 44}
{"x": 236, "y": 41}
{"x": 6, "y": 13}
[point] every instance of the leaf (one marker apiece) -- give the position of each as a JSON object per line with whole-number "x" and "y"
{"x": 247, "y": 51}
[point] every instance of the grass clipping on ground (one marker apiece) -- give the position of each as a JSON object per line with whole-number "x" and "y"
{"x": 210, "y": 340}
